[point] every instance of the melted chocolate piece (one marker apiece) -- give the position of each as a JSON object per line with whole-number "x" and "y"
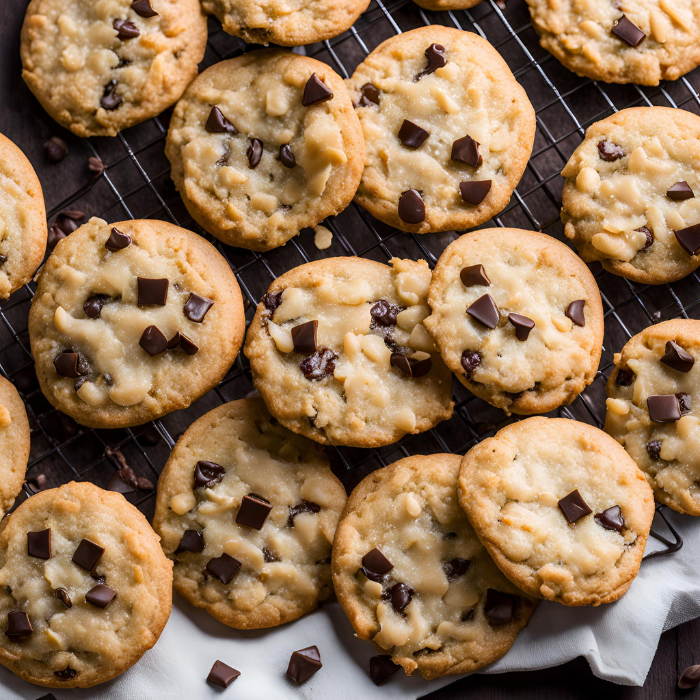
{"x": 628, "y": 32}
{"x": 66, "y": 674}
{"x": 39, "y": 544}
{"x": 206, "y": 474}
{"x": 196, "y": 307}
{"x": 574, "y": 311}
{"x": 466, "y": 150}
{"x": 689, "y": 239}
{"x": 474, "y": 276}
{"x": 286, "y": 156}
{"x": 435, "y": 53}
{"x": 409, "y": 366}
{"x": 110, "y": 100}
{"x": 654, "y": 449}
{"x": 375, "y": 565}
{"x": 385, "y": 313}
{"x": 3, "y": 260}
{"x": 303, "y": 664}
{"x": 680, "y": 191}
{"x": 143, "y": 8}
{"x": 650, "y": 237}
{"x": 88, "y": 554}
{"x": 498, "y": 607}
{"x": 153, "y": 341}
{"x": 62, "y": 595}
{"x": 474, "y": 191}
{"x": 218, "y": 124}
{"x": 253, "y": 511}
{"x": 677, "y": 358}
{"x": 19, "y": 626}
{"x": 610, "y": 151}
{"x": 93, "y": 305}
{"x": 187, "y": 344}
{"x": 381, "y": 668}
{"x": 470, "y": 361}
{"x": 319, "y": 365}
{"x": 664, "y": 408}
{"x": 574, "y": 507}
{"x": 222, "y": 675}
{"x": 315, "y": 92}
{"x": 66, "y": 364}
{"x": 411, "y": 207}
{"x": 152, "y": 292}
{"x": 125, "y": 29}
{"x": 272, "y": 301}
{"x": 485, "y": 311}
{"x": 304, "y": 338}
{"x": 55, "y": 235}
{"x": 523, "y": 325}
{"x": 454, "y": 568}
{"x": 624, "y": 377}
{"x": 369, "y": 95}
{"x": 100, "y": 596}
{"x": 683, "y": 403}
{"x": 611, "y": 519}
{"x": 254, "y": 153}
{"x": 55, "y": 149}
{"x": 192, "y": 541}
{"x": 303, "y": 507}
{"x": 401, "y": 595}
{"x": 117, "y": 240}
{"x": 411, "y": 135}
{"x": 224, "y": 568}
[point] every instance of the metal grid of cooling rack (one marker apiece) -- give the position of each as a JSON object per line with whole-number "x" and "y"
{"x": 136, "y": 184}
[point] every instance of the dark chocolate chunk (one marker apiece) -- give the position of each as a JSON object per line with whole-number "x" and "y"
{"x": 498, "y": 607}
{"x": 117, "y": 240}
{"x": 304, "y": 338}
{"x": 153, "y": 341}
{"x": 95, "y": 166}
{"x": 100, "y": 596}
{"x": 19, "y": 625}
{"x": 268, "y": 556}
{"x": 610, "y": 151}
{"x": 409, "y": 366}
{"x": 88, "y": 554}
{"x": 625, "y": 377}
{"x": 125, "y": 29}
{"x": 93, "y": 305}
{"x": 303, "y": 507}
{"x": 319, "y": 365}
{"x": 66, "y": 674}
{"x": 39, "y": 544}
{"x": 470, "y": 361}
{"x": 222, "y": 675}
{"x": 454, "y": 568}
{"x": 272, "y": 301}
{"x": 66, "y": 364}
{"x": 411, "y": 135}
{"x": 385, "y": 313}
{"x": 62, "y": 595}
{"x": 303, "y": 664}
{"x": 611, "y": 518}
{"x": 574, "y": 507}
{"x": 206, "y": 474}
{"x": 224, "y": 568}
{"x": 683, "y": 403}
{"x": 485, "y": 311}
{"x": 152, "y": 292}
{"x": 677, "y": 358}
{"x": 650, "y": 237}
{"x": 689, "y": 678}
{"x": 435, "y": 53}
{"x": 315, "y": 92}
{"x": 143, "y": 8}
{"x": 110, "y": 100}
{"x": 369, "y": 95}
{"x": 54, "y": 236}
{"x": 664, "y": 408}
{"x": 628, "y": 32}
{"x": 474, "y": 191}
{"x": 689, "y": 239}
{"x": 55, "y": 149}
{"x": 196, "y": 307}
{"x": 218, "y": 124}
{"x": 375, "y": 565}
{"x": 474, "y": 276}
{"x": 654, "y": 449}
{"x": 401, "y": 595}
{"x": 411, "y": 207}
{"x": 381, "y": 668}
{"x": 466, "y": 150}
{"x": 286, "y": 156}
{"x": 574, "y": 311}
{"x": 254, "y": 153}
{"x": 253, "y": 511}
{"x": 680, "y": 191}
{"x": 192, "y": 541}
{"x": 523, "y": 325}
{"x": 187, "y": 344}
{"x": 67, "y": 221}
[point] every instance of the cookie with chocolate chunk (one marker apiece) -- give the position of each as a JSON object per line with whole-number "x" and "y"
{"x": 264, "y": 145}
{"x": 14, "y": 444}
{"x": 133, "y": 320}
{"x": 517, "y": 317}
{"x": 100, "y": 67}
{"x": 85, "y": 589}
{"x": 247, "y": 510}
{"x": 654, "y": 409}
{"x": 339, "y": 352}
{"x": 561, "y": 507}
{"x": 448, "y": 130}
{"x": 413, "y": 578}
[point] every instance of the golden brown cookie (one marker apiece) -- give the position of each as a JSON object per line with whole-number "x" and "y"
{"x": 14, "y": 444}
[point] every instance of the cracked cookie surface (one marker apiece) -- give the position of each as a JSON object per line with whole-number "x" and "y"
{"x": 14, "y": 443}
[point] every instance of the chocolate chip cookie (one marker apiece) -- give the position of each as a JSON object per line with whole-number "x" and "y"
{"x": 247, "y": 510}
{"x": 446, "y": 5}
{"x": 629, "y": 199}
{"x": 133, "y": 320}
{"x": 22, "y": 219}
{"x": 339, "y": 352}
{"x": 85, "y": 589}
{"x": 413, "y": 577}
{"x": 629, "y": 41}
{"x": 100, "y": 67}
{"x": 264, "y": 145}
{"x": 448, "y": 130}
{"x": 14, "y": 443}
{"x": 561, "y": 507}
{"x": 653, "y": 409}
{"x": 517, "y": 317}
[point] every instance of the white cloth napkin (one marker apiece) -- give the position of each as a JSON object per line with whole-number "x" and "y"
{"x": 619, "y": 640}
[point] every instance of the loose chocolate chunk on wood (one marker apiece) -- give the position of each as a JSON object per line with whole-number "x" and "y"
{"x": 435, "y": 53}
{"x": 222, "y": 675}
{"x": 117, "y": 240}
{"x": 196, "y": 307}
{"x": 143, "y": 8}
{"x": 689, "y": 678}
{"x": 610, "y": 518}
{"x": 100, "y": 596}
{"x": 224, "y": 568}
{"x": 304, "y": 338}
{"x": 664, "y": 408}
{"x": 574, "y": 311}
{"x": 218, "y": 124}
{"x": 677, "y": 358}
{"x": 680, "y": 191}
{"x": 88, "y": 554}
{"x": 315, "y": 92}
{"x": 485, "y": 311}
{"x": 411, "y": 135}
{"x": 628, "y": 32}
{"x": 689, "y": 239}
{"x": 381, "y": 668}
{"x": 253, "y": 511}
{"x": 610, "y": 151}
{"x": 95, "y": 166}
{"x": 523, "y": 325}
{"x": 303, "y": 664}
{"x": 192, "y": 541}
{"x": 466, "y": 150}
{"x": 19, "y": 625}
{"x": 39, "y": 544}
{"x": 55, "y": 149}
{"x": 498, "y": 607}
{"x": 474, "y": 191}
{"x": 574, "y": 507}
{"x": 411, "y": 207}
{"x": 153, "y": 341}
{"x": 206, "y": 474}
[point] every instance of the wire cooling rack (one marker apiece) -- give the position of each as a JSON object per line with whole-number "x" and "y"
{"x": 136, "y": 184}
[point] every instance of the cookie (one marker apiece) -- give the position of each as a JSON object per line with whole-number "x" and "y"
{"x": 100, "y": 67}
{"x": 293, "y": 23}
{"x": 133, "y": 320}
{"x": 653, "y": 409}
{"x": 517, "y": 317}
{"x": 448, "y": 130}
{"x": 446, "y": 5}
{"x": 264, "y": 145}
{"x": 247, "y": 510}
{"x": 634, "y": 41}
{"x": 412, "y": 576}
{"x": 629, "y": 197}
{"x": 85, "y": 589}
{"x": 23, "y": 229}
{"x": 561, "y": 507}
{"x": 338, "y": 350}
{"x": 14, "y": 443}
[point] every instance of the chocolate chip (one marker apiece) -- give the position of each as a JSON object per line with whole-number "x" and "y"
{"x": 123, "y": 481}
{"x": 152, "y": 292}
{"x": 319, "y": 365}
{"x": 411, "y": 135}
{"x": 153, "y": 341}
{"x": 689, "y": 678}
{"x": 574, "y": 507}
{"x": 654, "y": 449}
{"x": 3, "y": 260}
{"x": 664, "y": 408}
{"x": 54, "y": 236}
{"x": 88, "y": 554}
{"x": 67, "y": 221}
{"x": 454, "y": 568}
{"x": 677, "y": 358}
{"x": 187, "y": 344}
{"x": 498, "y": 607}
{"x": 19, "y": 625}
{"x": 369, "y": 95}
{"x": 125, "y": 29}
{"x": 117, "y": 240}
{"x": 110, "y": 100}
{"x": 470, "y": 361}
{"x": 574, "y": 311}
{"x": 224, "y": 568}
{"x": 253, "y": 511}
{"x": 222, "y": 675}
{"x": 435, "y": 53}
{"x": 39, "y": 544}
{"x": 304, "y": 338}
{"x": 628, "y": 32}
{"x": 624, "y": 377}
{"x": 683, "y": 403}
{"x": 466, "y": 150}
{"x": 385, "y": 313}
{"x": 410, "y": 366}
{"x": 66, "y": 364}
{"x": 474, "y": 276}
{"x": 401, "y": 595}
{"x": 610, "y": 151}
{"x": 689, "y": 239}
{"x": 143, "y": 8}
{"x": 93, "y": 305}
{"x": 95, "y": 166}
{"x": 303, "y": 507}
{"x": 650, "y": 237}
{"x": 381, "y": 668}
{"x": 218, "y": 124}
{"x": 411, "y": 207}
{"x": 62, "y": 595}
{"x": 254, "y": 153}
{"x": 286, "y": 156}
{"x": 680, "y": 191}
{"x": 485, "y": 311}
{"x": 375, "y": 565}
{"x": 66, "y": 674}
{"x": 611, "y": 518}
{"x": 206, "y": 474}
{"x": 100, "y": 596}
{"x": 474, "y": 191}
{"x": 55, "y": 149}
{"x": 192, "y": 541}
{"x": 523, "y": 325}
{"x": 315, "y": 92}
{"x": 196, "y": 307}
{"x": 303, "y": 664}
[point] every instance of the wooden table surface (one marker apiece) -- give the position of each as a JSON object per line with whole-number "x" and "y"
{"x": 24, "y": 121}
